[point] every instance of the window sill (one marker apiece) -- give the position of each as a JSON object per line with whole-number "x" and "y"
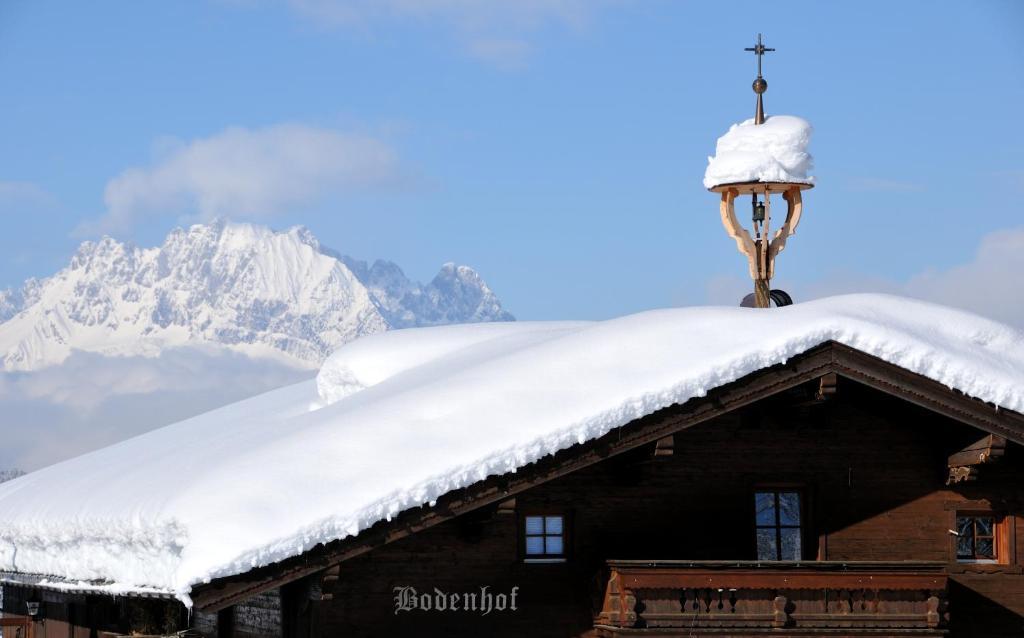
{"x": 977, "y": 561}
{"x": 544, "y": 561}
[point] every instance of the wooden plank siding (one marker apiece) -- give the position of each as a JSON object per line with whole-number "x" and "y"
{"x": 873, "y": 469}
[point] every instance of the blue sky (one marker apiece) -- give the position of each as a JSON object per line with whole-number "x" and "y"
{"x": 557, "y": 146}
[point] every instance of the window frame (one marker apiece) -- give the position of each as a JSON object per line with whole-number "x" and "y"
{"x": 541, "y": 559}
{"x": 1002, "y": 535}
{"x": 995, "y": 536}
{"x": 778, "y": 488}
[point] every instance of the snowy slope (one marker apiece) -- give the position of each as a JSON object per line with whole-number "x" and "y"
{"x": 397, "y": 419}
{"x": 246, "y": 287}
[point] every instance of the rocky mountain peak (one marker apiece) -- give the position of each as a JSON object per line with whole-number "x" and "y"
{"x": 241, "y": 286}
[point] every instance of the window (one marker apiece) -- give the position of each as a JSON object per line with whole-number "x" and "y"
{"x": 544, "y": 538}
{"x": 980, "y": 534}
{"x": 778, "y": 525}
{"x": 976, "y": 538}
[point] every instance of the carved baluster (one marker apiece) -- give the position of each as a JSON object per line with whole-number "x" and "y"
{"x": 843, "y": 605}
{"x": 779, "y": 616}
{"x": 732, "y": 600}
{"x": 932, "y": 616}
{"x": 872, "y": 602}
{"x": 695, "y": 606}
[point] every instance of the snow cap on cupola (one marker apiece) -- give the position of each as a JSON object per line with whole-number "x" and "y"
{"x": 762, "y": 149}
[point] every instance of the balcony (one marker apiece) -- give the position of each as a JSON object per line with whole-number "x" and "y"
{"x": 12, "y": 626}
{"x": 747, "y": 598}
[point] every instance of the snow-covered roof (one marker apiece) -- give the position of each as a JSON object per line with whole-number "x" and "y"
{"x": 398, "y": 419}
{"x": 775, "y": 151}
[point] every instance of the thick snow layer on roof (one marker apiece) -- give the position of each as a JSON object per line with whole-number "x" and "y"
{"x": 775, "y": 151}
{"x": 398, "y": 419}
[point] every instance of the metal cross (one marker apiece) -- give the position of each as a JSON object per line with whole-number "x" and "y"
{"x": 759, "y": 49}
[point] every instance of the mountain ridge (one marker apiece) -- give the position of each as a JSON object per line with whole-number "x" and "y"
{"x": 241, "y": 286}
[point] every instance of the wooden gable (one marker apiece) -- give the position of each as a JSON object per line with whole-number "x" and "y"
{"x": 819, "y": 364}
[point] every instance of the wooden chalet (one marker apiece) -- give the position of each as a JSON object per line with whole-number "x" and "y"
{"x": 834, "y": 495}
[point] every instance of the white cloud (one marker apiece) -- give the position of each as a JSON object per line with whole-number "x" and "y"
{"x": 989, "y": 284}
{"x": 496, "y": 31}
{"x": 245, "y": 173}
{"x": 91, "y": 400}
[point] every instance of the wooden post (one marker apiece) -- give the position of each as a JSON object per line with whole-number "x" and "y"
{"x": 762, "y": 293}
{"x": 761, "y": 252}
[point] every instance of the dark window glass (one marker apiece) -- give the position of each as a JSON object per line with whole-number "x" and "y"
{"x": 534, "y": 525}
{"x": 545, "y": 536}
{"x": 534, "y": 544}
{"x": 789, "y": 508}
{"x": 790, "y": 547}
{"x": 778, "y": 525}
{"x": 976, "y": 537}
{"x": 767, "y": 544}
{"x": 765, "y": 502}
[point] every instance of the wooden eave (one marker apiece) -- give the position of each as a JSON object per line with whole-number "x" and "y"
{"x": 62, "y": 588}
{"x": 829, "y": 357}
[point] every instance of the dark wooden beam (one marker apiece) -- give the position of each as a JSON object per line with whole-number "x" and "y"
{"x": 665, "y": 446}
{"x": 507, "y": 507}
{"x": 986, "y": 449}
{"x": 327, "y": 580}
{"x": 827, "y": 386}
{"x": 964, "y": 465}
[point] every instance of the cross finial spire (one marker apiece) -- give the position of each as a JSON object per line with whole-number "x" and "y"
{"x": 760, "y": 84}
{"x": 759, "y": 50}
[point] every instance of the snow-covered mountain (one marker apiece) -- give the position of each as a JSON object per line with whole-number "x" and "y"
{"x": 242, "y": 286}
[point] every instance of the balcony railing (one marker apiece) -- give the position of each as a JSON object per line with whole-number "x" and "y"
{"x": 15, "y": 626}
{"x": 748, "y": 597}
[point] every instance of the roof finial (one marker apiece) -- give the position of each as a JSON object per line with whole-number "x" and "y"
{"x": 760, "y": 84}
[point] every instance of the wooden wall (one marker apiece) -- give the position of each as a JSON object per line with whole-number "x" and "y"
{"x": 258, "y": 617}
{"x": 95, "y": 616}
{"x": 874, "y": 469}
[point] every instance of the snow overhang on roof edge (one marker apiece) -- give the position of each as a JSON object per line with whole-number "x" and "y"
{"x": 56, "y": 584}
